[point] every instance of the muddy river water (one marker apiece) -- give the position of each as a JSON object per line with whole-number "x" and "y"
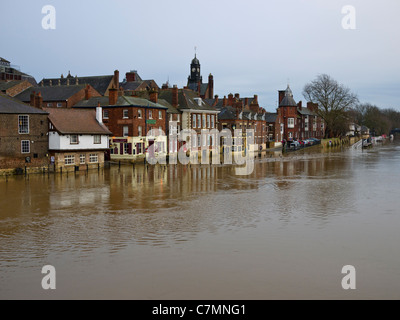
{"x": 202, "y": 232}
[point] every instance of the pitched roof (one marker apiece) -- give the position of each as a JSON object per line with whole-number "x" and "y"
{"x": 56, "y": 93}
{"x": 288, "y": 100}
{"x": 9, "y": 84}
{"x": 121, "y": 101}
{"x": 13, "y": 106}
{"x": 306, "y": 112}
{"x": 99, "y": 83}
{"x": 187, "y": 99}
{"x": 74, "y": 121}
{"x": 271, "y": 117}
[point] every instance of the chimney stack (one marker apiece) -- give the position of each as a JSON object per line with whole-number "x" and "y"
{"x": 175, "y": 96}
{"x": 99, "y": 113}
{"x": 281, "y": 95}
{"x": 210, "y": 86}
{"x": 246, "y": 101}
{"x": 230, "y": 99}
{"x": 38, "y": 101}
{"x": 116, "y": 79}
{"x": 224, "y": 102}
{"x": 113, "y": 96}
{"x": 87, "y": 92}
{"x": 300, "y": 105}
{"x": 32, "y": 102}
{"x": 154, "y": 95}
{"x": 130, "y": 76}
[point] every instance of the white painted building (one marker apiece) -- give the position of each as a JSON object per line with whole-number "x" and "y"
{"x": 78, "y": 139}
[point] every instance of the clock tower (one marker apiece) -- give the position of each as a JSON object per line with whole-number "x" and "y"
{"x": 195, "y": 76}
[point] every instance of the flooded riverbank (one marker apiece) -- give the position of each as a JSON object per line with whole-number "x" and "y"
{"x": 201, "y": 232}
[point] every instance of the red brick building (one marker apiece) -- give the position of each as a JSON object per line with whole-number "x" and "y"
{"x": 295, "y": 122}
{"x": 136, "y": 123}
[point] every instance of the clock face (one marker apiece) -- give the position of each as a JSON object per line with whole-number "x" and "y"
{"x": 194, "y": 70}
{"x": 198, "y": 69}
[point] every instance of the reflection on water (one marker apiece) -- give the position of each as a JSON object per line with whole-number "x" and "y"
{"x": 291, "y": 211}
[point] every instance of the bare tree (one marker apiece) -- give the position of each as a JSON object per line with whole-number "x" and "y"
{"x": 333, "y": 99}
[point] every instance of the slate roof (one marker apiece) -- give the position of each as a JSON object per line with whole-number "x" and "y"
{"x": 99, "y": 83}
{"x": 306, "y": 112}
{"x": 54, "y": 93}
{"x": 271, "y": 117}
{"x": 121, "y": 101}
{"x": 13, "y": 106}
{"x": 74, "y": 121}
{"x": 288, "y": 100}
{"x": 187, "y": 99}
{"x": 9, "y": 84}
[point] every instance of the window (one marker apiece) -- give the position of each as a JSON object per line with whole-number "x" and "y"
{"x": 127, "y": 148}
{"x": 82, "y": 159}
{"x": 23, "y": 124}
{"x": 204, "y": 121}
{"x": 140, "y": 113}
{"x": 139, "y": 131}
{"x": 59, "y": 105}
{"x": 125, "y": 131}
{"x": 25, "y": 146}
{"x": 208, "y": 121}
{"x": 74, "y": 139}
{"x": 290, "y": 135}
{"x": 213, "y": 122}
{"x": 94, "y": 158}
{"x": 69, "y": 159}
{"x": 194, "y": 121}
{"x": 179, "y": 118}
{"x": 97, "y": 139}
{"x": 126, "y": 114}
{"x": 49, "y": 104}
{"x": 159, "y": 114}
{"x": 198, "y": 121}
{"x": 150, "y": 114}
{"x": 105, "y": 114}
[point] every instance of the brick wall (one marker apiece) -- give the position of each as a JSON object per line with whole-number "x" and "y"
{"x": 10, "y": 139}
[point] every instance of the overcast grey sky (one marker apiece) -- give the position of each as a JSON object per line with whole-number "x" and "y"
{"x": 251, "y": 47}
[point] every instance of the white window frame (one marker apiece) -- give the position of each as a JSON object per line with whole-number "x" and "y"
{"x": 125, "y": 111}
{"x": 125, "y": 131}
{"x": 25, "y": 143}
{"x": 71, "y": 140}
{"x": 290, "y": 123}
{"x": 82, "y": 158}
{"x": 93, "y": 158}
{"x": 69, "y": 160}
{"x": 97, "y": 139}
{"x": 20, "y": 126}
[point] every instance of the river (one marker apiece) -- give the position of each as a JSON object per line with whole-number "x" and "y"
{"x": 202, "y": 232}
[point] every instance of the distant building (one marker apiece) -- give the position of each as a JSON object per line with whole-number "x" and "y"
{"x": 245, "y": 114}
{"x": 14, "y": 87}
{"x": 102, "y": 84}
{"x": 295, "y": 122}
{"x": 136, "y": 124}
{"x": 133, "y": 82}
{"x": 58, "y": 96}
{"x": 78, "y": 140}
{"x": 9, "y": 72}
{"x": 195, "y": 81}
{"x": 191, "y": 113}
{"x": 23, "y": 134}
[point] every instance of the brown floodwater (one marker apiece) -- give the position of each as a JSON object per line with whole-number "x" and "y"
{"x": 201, "y": 232}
